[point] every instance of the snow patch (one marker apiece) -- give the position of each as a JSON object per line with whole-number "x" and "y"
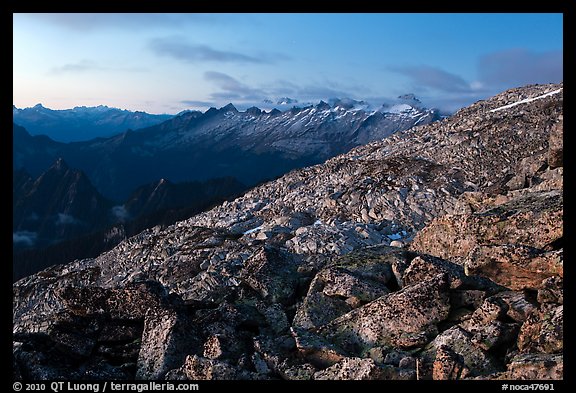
{"x": 249, "y": 231}
{"x": 400, "y": 108}
{"x": 396, "y": 236}
{"x": 526, "y": 100}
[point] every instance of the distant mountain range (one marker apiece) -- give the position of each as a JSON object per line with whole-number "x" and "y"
{"x": 82, "y": 123}
{"x": 251, "y": 146}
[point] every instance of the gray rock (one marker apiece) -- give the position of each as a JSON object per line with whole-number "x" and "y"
{"x": 448, "y": 365}
{"x": 459, "y": 341}
{"x": 536, "y": 367}
{"x": 316, "y": 349}
{"x": 197, "y": 368}
{"x": 543, "y": 331}
{"x": 555, "y": 143}
{"x": 402, "y": 319}
{"x": 168, "y": 337}
{"x": 272, "y": 274}
{"x": 362, "y": 369}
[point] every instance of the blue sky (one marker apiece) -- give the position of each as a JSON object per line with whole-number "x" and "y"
{"x": 165, "y": 63}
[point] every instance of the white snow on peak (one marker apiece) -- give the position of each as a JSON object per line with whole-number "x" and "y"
{"x": 526, "y": 100}
{"x": 399, "y": 108}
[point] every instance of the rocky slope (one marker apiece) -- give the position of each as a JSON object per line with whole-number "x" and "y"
{"x": 433, "y": 254}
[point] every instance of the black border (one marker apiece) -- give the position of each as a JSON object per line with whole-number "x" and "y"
{"x": 335, "y": 6}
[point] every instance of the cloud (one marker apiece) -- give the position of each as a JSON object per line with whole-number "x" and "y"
{"x": 66, "y": 219}
{"x": 196, "y": 103}
{"x": 517, "y": 67}
{"x": 233, "y": 89}
{"x": 321, "y": 92}
{"x": 81, "y": 66}
{"x": 433, "y": 77}
{"x": 26, "y": 238}
{"x": 179, "y": 49}
{"x": 87, "y": 22}
{"x": 120, "y": 213}
{"x": 244, "y": 96}
{"x": 86, "y": 65}
{"x": 496, "y": 72}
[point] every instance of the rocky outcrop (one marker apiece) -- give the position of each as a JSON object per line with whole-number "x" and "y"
{"x": 511, "y": 243}
{"x": 299, "y": 279}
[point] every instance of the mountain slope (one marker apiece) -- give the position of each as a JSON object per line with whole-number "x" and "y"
{"x": 332, "y": 271}
{"x": 82, "y": 123}
{"x": 60, "y": 216}
{"x": 58, "y": 204}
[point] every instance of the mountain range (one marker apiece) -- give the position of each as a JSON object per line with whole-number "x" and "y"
{"x": 82, "y": 123}
{"x": 435, "y": 253}
{"x": 251, "y": 146}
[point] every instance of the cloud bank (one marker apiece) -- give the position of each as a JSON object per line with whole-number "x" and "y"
{"x": 179, "y": 49}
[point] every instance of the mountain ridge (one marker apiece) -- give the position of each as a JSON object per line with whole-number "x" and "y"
{"x": 81, "y": 122}
{"x": 251, "y": 146}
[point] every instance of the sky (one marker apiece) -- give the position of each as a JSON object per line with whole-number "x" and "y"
{"x": 166, "y": 63}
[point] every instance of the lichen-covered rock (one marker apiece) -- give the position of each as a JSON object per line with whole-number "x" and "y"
{"x": 351, "y": 368}
{"x": 551, "y": 291}
{"x": 556, "y": 145}
{"x": 272, "y": 274}
{"x": 316, "y": 349}
{"x": 518, "y": 306}
{"x": 515, "y": 266}
{"x": 543, "y": 331}
{"x": 459, "y": 341}
{"x": 198, "y": 368}
{"x": 362, "y": 369}
{"x": 402, "y": 319}
{"x": 318, "y": 309}
{"x": 448, "y": 365}
{"x": 168, "y": 337}
{"x": 536, "y": 367}
{"x": 532, "y": 220}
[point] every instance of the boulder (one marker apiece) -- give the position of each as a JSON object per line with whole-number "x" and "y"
{"x": 271, "y": 273}
{"x": 459, "y": 341}
{"x": 197, "y": 368}
{"x": 168, "y": 337}
{"x": 556, "y": 144}
{"x": 543, "y": 331}
{"x": 536, "y": 366}
{"x": 534, "y": 220}
{"x": 362, "y": 369}
{"x": 404, "y": 319}
{"x": 515, "y": 266}
{"x": 448, "y": 365}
